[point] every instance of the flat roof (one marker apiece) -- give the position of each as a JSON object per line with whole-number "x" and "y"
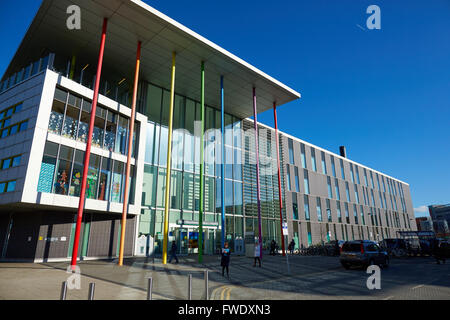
{"x": 130, "y": 21}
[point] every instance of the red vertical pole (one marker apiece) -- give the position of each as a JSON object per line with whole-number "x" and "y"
{"x": 279, "y": 176}
{"x": 130, "y": 143}
{"x": 88, "y": 147}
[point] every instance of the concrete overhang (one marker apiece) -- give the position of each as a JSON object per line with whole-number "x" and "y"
{"x": 130, "y": 21}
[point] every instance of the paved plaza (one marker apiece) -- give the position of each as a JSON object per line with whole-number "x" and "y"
{"x": 307, "y": 277}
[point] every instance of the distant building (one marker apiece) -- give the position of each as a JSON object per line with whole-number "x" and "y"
{"x": 440, "y": 212}
{"x": 424, "y": 224}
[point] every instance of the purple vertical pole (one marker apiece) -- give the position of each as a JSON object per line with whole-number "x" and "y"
{"x": 257, "y": 172}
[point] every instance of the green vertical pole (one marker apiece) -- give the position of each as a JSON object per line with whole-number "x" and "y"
{"x": 202, "y": 178}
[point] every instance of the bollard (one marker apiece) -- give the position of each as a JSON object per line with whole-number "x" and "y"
{"x": 149, "y": 290}
{"x": 190, "y": 287}
{"x": 63, "y": 290}
{"x": 206, "y": 285}
{"x": 91, "y": 291}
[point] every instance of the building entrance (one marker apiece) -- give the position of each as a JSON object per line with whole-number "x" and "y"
{"x": 187, "y": 240}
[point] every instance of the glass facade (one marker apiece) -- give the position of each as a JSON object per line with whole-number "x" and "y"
{"x": 70, "y": 117}
{"x": 62, "y": 169}
{"x": 185, "y": 177}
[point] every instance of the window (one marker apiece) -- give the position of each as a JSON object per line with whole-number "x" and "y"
{"x": 297, "y": 185}
{"x": 356, "y": 194}
{"x": 347, "y": 191}
{"x": 342, "y": 170}
{"x": 381, "y": 200}
{"x": 8, "y": 186}
{"x": 303, "y": 156}
{"x": 328, "y": 210}
{"x": 294, "y": 206}
{"x": 46, "y": 175}
{"x": 306, "y": 207}
{"x": 371, "y": 180}
{"x": 324, "y": 164}
{"x": 57, "y": 113}
{"x": 306, "y": 181}
{"x": 347, "y": 216}
{"x": 330, "y": 192}
{"x": 355, "y": 213}
{"x": 313, "y": 159}
{"x": 351, "y": 173}
{"x": 62, "y": 170}
{"x": 288, "y": 180}
{"x": 319, "y": 210}
{"x": 77, "y": 173}
{"x": 365, "y": 178}
{"x": 70, "y": 126}
{"x": 338, "y": 209}
{"x": 357, "y": 174}
{"x": 362, "y": 215}
{"x": 70, "y": 117}
{"x": 336, "y": 189}
{"x": 333, "y": 166}
{"x": 10, "y": 162}
{"x": 291, "y": 151}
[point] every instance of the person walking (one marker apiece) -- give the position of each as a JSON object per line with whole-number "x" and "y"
{"x": 272, "y": 247}
{"x": 225, "y": 261}
{"x": 292, "y": 246}
{"x": 257, "y": 254}
{"x": 173, "y": 252}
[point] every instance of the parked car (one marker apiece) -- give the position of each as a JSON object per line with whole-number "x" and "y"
{"x": 399, "y": 247}
{"x": 363, "y": 253}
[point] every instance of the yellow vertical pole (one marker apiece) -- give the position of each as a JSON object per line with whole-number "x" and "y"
{"x": 169, "y": 164}
{"x": 72, "y": 67}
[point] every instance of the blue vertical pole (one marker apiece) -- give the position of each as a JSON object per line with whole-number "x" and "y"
{"x": 222, "y": 181}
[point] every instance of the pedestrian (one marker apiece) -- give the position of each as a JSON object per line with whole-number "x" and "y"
{"x": 337, "y": 249}
{"x": 225, "y": 261}
{"x": 257, "y": 254}
{"x": 292, "y": 246}
{"x": 173, "y": 252}
{"x": 272, "y": 247}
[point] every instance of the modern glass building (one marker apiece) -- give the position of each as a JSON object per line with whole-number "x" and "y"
{"x": 47, "y": 98}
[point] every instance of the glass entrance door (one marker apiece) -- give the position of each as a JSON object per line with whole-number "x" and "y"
{"x": 182, "y": 240}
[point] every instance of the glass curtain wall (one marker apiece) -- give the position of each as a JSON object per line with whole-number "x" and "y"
{"x": 185, "y": 178}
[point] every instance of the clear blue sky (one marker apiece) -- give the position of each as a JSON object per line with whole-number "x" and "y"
{"x": 384, "y": 94}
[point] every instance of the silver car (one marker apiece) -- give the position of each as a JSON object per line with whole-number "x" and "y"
{"x": 363, "y": 253}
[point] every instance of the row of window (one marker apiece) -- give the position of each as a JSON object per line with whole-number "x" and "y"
{"x": 10, "y": 162}
{"x": 70, "y": 117}
{"x": 8, "y": 112}
{"x": 7, "y": 186}
{"x": 392, "y": 185}
{"x": 347, "y": 191}
{"x": 25, "y": 73}
{"x": 392, "y": 219}
{"x": 13, "y": 129}
{"x": 62, "y": 170}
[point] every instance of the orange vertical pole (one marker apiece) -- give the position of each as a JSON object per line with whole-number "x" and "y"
{"x": 130, "y": 143}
